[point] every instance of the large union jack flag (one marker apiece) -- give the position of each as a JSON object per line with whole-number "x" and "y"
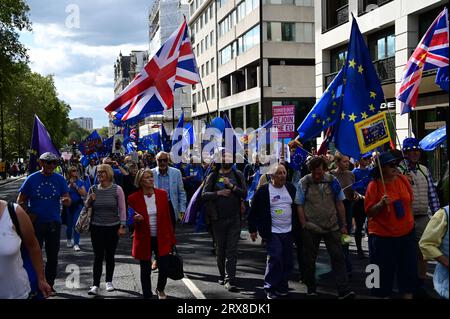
{"x": 151, "y": 91}
{"x": 431, "y": 52}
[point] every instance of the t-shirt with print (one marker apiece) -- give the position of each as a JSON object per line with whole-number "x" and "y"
{"x": 280, "y": 209}
{"x": 74, "y": 195}
{"x": 44, "y": 194}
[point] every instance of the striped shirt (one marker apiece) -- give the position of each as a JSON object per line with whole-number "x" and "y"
{"x": 109, "y": 206}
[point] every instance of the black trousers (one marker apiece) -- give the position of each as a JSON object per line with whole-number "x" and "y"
{"x": 49, "y": 234}
{"x": 104, "y": 243}
{"x": 360, "y": 217}
{"x": 146, "y": 271}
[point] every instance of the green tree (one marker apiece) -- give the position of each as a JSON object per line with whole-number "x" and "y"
{"x": 76, "y": 133}
{"x": 103, "y": 132}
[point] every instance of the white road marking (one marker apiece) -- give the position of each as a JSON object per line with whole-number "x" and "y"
{"x": 193, "y": 288}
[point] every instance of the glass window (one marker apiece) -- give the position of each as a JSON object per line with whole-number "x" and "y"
{"x": 287, "y": 31}
{"x": 338, "y": 58}
{"x": 248, "y": 6}
{"x": 382, "y": 45}
{"x": 304, "y": 32}
{"x": 213, "y": 91}
{"x": 198, "y": 49}
{"x": 207, "y": 67}
{"x": 203, "y": 95}
{"x": 211, "y": 38}
{"x": 390, "y": 45}
{"x": 225, "y": 55}
{"x": 241, "y": 45}
{"x": 252, "y": 116}
{"x": 237, "y": 117}
{"x": 269, "y": 31}
{"x": 199, "y": 97}
{"x": 201, "y": 22}
{"x": 211, "y": 16}
{"x": 207, "y": 93}
{"x": 255, "y": 4}
{"x": 203, "y": 70}
{"x": 206, "y": 16}
{"x": 201, "y": 46}
{"x": 206, "y": 42}
{"x": 212, "y": 65}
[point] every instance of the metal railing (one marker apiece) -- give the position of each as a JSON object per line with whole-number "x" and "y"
{"x": 385, "y": 69}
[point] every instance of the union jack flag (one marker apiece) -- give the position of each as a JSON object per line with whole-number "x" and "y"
{"x": 431, "y": 52}
{"x": 151, "y": 91}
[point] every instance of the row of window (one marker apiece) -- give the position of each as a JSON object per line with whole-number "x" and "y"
{"x": 205, "y": 95}
{"x": 207, "y": 15}
{"x": 242, "y": 9}
{"x": 207, "y": 67}
{"x": 303, "y": 3}
{"x": 241, "y": 45}
{"x": 302, "y": 32}
{"x": 204, "y": 44}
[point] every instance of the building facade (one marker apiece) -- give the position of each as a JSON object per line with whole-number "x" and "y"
{"x": 234, "y": 40}
{"x": 85, "y": 122}
{"x": 392, "y": 29}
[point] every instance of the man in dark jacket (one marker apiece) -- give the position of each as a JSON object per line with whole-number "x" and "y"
{"x": 273, "y": 214}
{"x": 223, "y": 193}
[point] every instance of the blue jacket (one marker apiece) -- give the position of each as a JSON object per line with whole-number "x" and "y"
{"x": 176, "y": 191}
{"x": 260, "y": 218}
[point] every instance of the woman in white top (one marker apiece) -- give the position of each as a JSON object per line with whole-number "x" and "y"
{"x": 14, "y": 283}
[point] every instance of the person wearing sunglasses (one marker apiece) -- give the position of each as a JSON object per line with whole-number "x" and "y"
{"x": 41, "y": 195}
{"x": 392, "y": 244}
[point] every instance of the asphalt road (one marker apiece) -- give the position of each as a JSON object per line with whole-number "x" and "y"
{"x": 201, "y": 274}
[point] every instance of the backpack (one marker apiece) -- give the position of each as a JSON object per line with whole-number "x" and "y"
{"x": 27, "y": 263}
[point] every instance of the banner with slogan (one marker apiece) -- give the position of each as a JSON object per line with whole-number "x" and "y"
{"x": 284, "y": 120}
{"x": 372, "y": 132}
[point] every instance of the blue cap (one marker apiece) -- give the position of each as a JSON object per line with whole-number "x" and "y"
{"x": 411, "y": 143}
{"x": 367, "y": 155}
{"x": 387, "y": 157}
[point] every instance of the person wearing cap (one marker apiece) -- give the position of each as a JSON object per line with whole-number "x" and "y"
{"x": 41, "y": 195}
{"x": 223, "y": 193}
{"x": 362, "y": 179}
{"x": 392, "y": 245}
{"x": 426, "y": 200}
{"x": 153, "y": 231}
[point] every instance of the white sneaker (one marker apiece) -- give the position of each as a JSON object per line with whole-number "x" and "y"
{"x": 76, "y": 248}
{"x": 69, "y": 244}
{"x": 93, "y": 291}
{"x": 109, "y": 287}
{"x": 161, "y": 294}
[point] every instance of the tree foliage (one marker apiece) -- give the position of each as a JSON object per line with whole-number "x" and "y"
{"x": 76, "y": 133}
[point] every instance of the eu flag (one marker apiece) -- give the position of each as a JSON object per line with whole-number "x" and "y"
{"x": 362, "y": 94}
{"x": 442, "y": 78}
{"x": 434, "y": 139}
{"x": 298, "y": 158}
{"x": 93, "y": 143}
{"x": 165, "y": 140}
{"x": 41, "y": 142}
{"x": 325, "y": 112}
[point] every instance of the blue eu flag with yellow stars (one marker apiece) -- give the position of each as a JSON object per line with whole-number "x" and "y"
{"x": 362, "y": 94}
{"x": 324, "y": 113}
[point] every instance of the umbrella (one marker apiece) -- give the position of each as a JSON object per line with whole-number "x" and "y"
{"x": 434, "y": 139}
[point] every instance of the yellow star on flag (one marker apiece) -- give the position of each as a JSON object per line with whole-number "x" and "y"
{"x": 318, "y": 121}
{"x": 343, "y": 116}
{"x": 313, "y": 116}
{"x": 360, "y": 69}
{"x": 372, "y": 107}
{"x": 334, "y": 103}
{"x": 352, "y": 117}
{"x": 333, "y": 111}
{"x": 352, "y": 63}
{"x": 329, "y": 119}
{"x": 373, "y": 94}
{"x": 364, "y": 115}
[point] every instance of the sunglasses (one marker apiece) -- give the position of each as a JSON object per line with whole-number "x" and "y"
{"x": 163, "y": 160}
{"x": 50, "y": 162}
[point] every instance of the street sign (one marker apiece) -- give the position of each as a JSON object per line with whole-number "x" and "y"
{"x": 284, "y": 120}
{"x": 372, "y": 132}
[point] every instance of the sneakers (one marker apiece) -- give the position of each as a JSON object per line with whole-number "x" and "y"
{"x": 109, "y": 287}
{"x": 347, "y": 295}
{"x": 311, "y": 292}
{"x": 221, "y": 282}
{"x": 93, "y": 291}
{"x": 281, "y": 293}
{"x": 161, "y": 294}
{"x": 69, "y": 243}
{"x": 271, "y": 295}
{"x": 53, "y": 292}
{"x": 76, "y": 248}
{"x": 230, "y": 287}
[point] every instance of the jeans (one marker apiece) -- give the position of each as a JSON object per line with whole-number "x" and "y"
{"x": 226, "y": 234}
{"x": 104, "y": 243}
{"x": 279, "y": 262}
{"x": 311, "y": 242}
{"x": 146, "y": 271}
{"x": 49, "y": 234}
{"x": 73, "y": 212}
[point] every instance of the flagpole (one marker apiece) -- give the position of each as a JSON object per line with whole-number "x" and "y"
{"x": 382, "y": 179}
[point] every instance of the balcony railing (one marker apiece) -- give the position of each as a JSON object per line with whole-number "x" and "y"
{"x": 365, "y": 6}
{"x": 385, "y": 69}
{"x": 342, "y": 14}
{"x": 337, "y": 17}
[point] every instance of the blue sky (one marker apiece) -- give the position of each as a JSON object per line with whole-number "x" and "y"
{"x": 81, "y": 56}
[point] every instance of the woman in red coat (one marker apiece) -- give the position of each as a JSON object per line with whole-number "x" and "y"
{"x": 153, "y": 230}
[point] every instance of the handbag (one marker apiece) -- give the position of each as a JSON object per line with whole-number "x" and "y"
{"x": 175, "y": 266}
{"x": 84, "y": 220}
